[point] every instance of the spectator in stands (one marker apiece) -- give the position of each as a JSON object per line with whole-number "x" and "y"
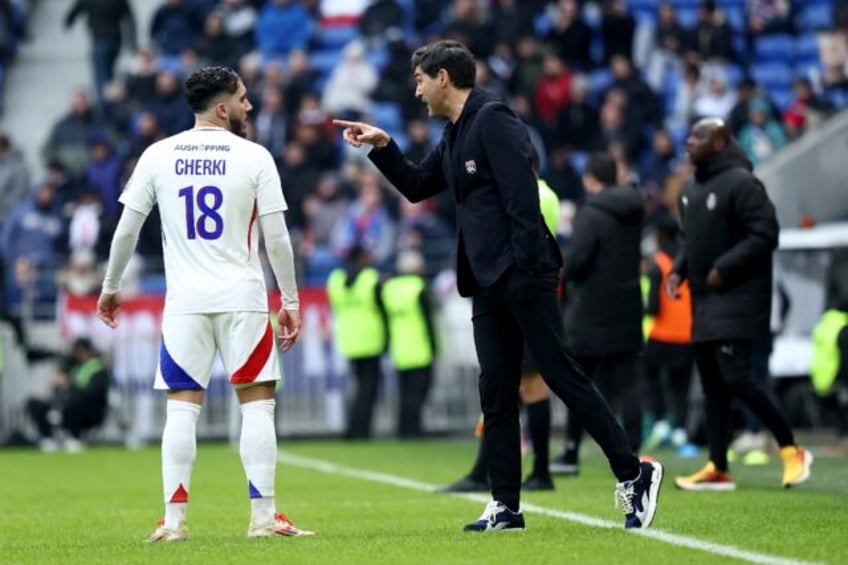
{"x": 351, "y": 82}
{"x": 89, "y": 227}
{"x": 81, "y": 276}
{"x": 468, "y": 23}
{"x": 422, "y": 231}
{"x": 14, "y": 177}
{"x": 486, "y": 80}
{"x": 68, "y": 188}
{"x": 78, "y": 401}
{"x": 103, "y": 175}
{"x": 271, "y": 122}
{"x": 145, "y": 131}
{"x": 34, "y": 245}
{"x": 301, "y": 176}
{"x": 323, "y": 209}
{"x": 671, "y": 40}
{"x": 762, "y": 136}
{"x": 68, "y": 141}
{"x": 106, "y": 18}
{"x": 529, "y": 59}
{"x": 660, "y": 162}
{"x": 310, "y": 129}
{"x": 553, "y": 91}
{"x": 718, "y": 99}
{"x": 379, "y": 17}
{"x": 239, "y": 21}
{"x": 511, "y": 18}
{"x": 617, "y": 30}
{"x": 614, "y": 127}
{"x": 577, "y": 122}
{"x": 643, "y": 105}
{"x": 418, "y": 132}
{"x": 176, "y": 26}
{"x": 713, "y": 36}
{"x": 394, "y": 83}
{"x": 764, "y": 17}
{"x": 169, "y": 104}
{"x": 541, "y": 134}
{"x": 215, "y": 46}
{"x": 745, "y": 92}
{"x": 283, "y": 25}
{"x": 367, "y": 223}
{"x": 570, "y": 36}
{"x": 563, "y": 177}
{"x": 813, "y": 108}
{"x": 502, "y": 63}
{"x": 300, "y": 80}
{"x": 688, "y": 92}
{"x": 141, "y": 82}
{"x": 117, "y": 110}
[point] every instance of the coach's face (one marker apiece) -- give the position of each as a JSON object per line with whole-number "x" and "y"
{"x": 430, "y": 90}
{"x": 237, "y": 107}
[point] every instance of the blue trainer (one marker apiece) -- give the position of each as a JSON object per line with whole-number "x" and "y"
{"x": 495, "y": 518}
{"x": 638, "y": 498}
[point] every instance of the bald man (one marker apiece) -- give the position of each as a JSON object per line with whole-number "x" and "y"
{"x": 730, "y": 234}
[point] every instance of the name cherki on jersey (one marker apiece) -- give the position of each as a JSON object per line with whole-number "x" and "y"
{"x": 208, "y": 203}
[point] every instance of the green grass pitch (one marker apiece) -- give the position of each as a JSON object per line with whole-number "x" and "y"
{"x": 99, "y": 506}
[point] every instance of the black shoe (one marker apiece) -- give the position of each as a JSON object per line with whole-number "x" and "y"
{"x": 535, "y": 482}
{"x": 466, "y": 484}
{"x": 495, "y": 518}
{"x": 565, "y": 466}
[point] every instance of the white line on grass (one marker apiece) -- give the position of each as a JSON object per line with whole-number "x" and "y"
{"x": 659, "y": 535}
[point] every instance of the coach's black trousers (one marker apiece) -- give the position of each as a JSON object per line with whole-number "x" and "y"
{"x": 725, "y": 369}
{"x": 522, "y": 308}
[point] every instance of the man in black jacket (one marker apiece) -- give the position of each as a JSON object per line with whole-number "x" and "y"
{"x": 730, "y": 233}
{"x": 105, "y": 20}
{"x": 508, "y": 262}
{"x": 603, "y": 312}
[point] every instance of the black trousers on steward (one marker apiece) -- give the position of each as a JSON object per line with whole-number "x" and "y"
{"x": 523, "y": 308}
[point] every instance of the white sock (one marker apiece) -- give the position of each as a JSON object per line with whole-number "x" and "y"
{"x": 179, "y": 447}
{"x": 258, "y": 449}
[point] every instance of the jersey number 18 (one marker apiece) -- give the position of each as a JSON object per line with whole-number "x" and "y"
{"x": 208, "y": 201}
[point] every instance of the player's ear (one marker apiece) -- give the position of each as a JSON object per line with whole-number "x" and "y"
{"x": 222, "y": 111}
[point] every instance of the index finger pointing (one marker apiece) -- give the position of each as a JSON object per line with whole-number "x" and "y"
{"x": 345, "y": 123}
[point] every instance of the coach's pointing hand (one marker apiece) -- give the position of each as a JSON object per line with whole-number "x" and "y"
{"x": 357, "y": 133}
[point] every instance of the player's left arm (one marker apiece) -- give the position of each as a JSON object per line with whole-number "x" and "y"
{"x": 271, "y": 204}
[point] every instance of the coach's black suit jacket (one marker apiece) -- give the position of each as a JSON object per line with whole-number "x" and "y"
{"x": 485, "y": 158}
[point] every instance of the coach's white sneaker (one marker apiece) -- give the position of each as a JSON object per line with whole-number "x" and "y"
{"x": 161, "y": 533}
{"x": 281, "y": 526}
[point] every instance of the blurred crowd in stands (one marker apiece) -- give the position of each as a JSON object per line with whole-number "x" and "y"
{"x": 617, "y": 76}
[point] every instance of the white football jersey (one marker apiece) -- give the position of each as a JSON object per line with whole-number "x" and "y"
{"x": 211, "y": 186}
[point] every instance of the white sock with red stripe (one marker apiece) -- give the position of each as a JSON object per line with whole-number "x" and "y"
{"x": 258, "y": 449}
{"x": 179, "y": 447}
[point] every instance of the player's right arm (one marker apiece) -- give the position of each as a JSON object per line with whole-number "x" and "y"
{"x": 138, "y": 198}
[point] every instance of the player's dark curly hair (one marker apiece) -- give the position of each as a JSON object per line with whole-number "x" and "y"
{"x": 450, "y": 55}
{"x": 206, "y": 84}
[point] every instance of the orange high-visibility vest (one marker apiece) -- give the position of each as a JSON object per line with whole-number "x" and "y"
{"x": 673, "y": 322}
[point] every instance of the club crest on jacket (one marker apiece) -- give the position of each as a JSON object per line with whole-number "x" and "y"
{"x": 471, "y": 166}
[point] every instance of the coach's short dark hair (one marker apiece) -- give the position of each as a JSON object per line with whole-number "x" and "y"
{"x": 602, "y": 167}
{"x": 450, "y": 55}
{"x": 206, "y": 84}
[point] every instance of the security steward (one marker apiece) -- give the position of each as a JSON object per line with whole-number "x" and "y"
{"x": 360, "y": 333}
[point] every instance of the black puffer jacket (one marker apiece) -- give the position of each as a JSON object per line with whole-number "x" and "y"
{"x": 603, "y": 302}
{"x": 729, "y": 224}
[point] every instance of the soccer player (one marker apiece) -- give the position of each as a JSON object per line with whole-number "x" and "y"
{"x": 211, "y": 185}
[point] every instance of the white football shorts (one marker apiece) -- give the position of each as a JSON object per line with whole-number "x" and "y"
{"x": 190, "y": 341}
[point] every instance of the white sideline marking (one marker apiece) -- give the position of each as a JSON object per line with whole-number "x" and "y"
{"x": 659, "y": 535}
